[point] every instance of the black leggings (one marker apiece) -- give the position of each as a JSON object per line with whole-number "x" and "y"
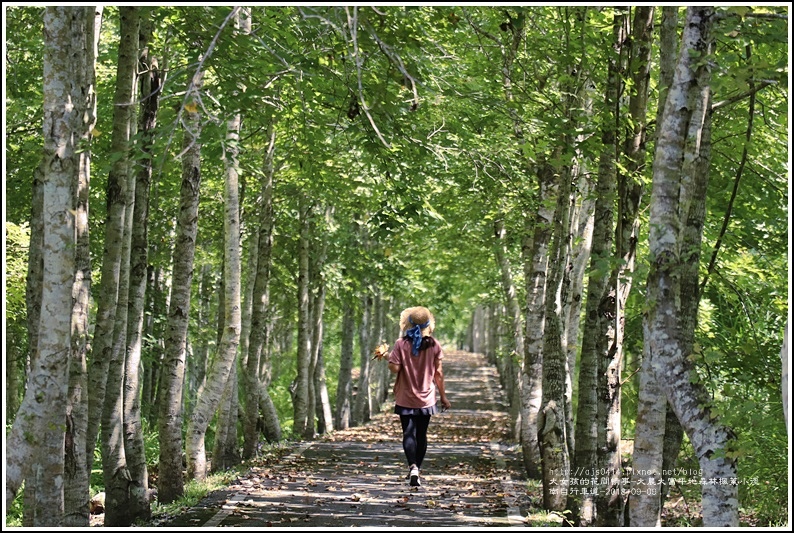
{"x": 415, "y": 437}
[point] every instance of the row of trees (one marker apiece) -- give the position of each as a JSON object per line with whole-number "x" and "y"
{"x": 339, "y": 163}
{"x": 571, "y": 441}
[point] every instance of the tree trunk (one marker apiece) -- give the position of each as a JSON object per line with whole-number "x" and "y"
{"x": 513, "y": 361}
{"x": 76, "y": 474}
{"x": 375, "y": 384}
{"x": 316, "y": 307}
{"x": 119, "y": 507}
{"x": 169, "y": 422}
{"x": 696, "y": 165}
{"x": 320, "y": 401}
{"x": 512, "y": 364}
{"x": 225, "y": 449}
{"x": 153, "y": 363}
{"x": 224, "y": 452}
{"x": 552, "y": 417}
{"x": 683, "y": 118}
{"x": 652, "y": 409}
{"x": 536, "y": 260}
{"x": 380, "y": 372}
{"x": 582, "y": 222}
{"x": 39, "y": 461}
{"x": 271, "y": 427}
{"x": 325, "y": 413}
{"x": 344, "y": 387}
{"x": 133, "y": 430}
{"x": 196, "y": 364}
{"x": 209, "y": 398}
{"x": 249, "y": 383}
{"x": 492, "y": 345}
{"x": 362, "y": 408}
{"x": 107, "y": 299}
{"x": 610, "y": 500}
{"x": 258, "y": 340}
{"x": 303, "y": 418}
{"x": 600, "y": 304}
{"x": 35, "y": 273}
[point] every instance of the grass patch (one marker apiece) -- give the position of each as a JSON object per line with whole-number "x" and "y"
{"x": 195, "y": 491}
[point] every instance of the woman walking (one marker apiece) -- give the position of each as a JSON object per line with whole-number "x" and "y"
{"x": 416, "y": 359}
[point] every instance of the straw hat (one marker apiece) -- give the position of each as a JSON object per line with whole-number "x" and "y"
{"x": 418, "y": 315}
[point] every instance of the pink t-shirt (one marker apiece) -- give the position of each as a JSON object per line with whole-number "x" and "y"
{"x": 414, "y": 387}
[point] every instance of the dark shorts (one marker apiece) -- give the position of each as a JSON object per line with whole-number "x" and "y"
{"x": 415, "y": 410}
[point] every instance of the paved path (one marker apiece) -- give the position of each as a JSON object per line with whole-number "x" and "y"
{"x": 471, "y": 476}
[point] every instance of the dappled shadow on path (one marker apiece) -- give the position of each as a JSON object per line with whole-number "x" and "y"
{"x": 471, "y": 476}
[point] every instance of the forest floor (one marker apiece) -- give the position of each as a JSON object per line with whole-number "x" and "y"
{"x": 472, "y": 474}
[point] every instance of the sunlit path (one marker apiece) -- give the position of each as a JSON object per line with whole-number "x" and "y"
{"x": 356, "y": 477}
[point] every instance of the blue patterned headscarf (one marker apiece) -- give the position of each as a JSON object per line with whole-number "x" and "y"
{"x": 415, "y": 334}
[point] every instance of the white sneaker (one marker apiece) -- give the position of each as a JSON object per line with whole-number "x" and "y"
{"x": 414, "y": 476}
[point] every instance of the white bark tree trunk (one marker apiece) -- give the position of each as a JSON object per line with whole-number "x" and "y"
{"x": 169, "y": 420}
{"x": 107, "y": 298}
{"x": 257, "y": 346}
{"x": 35, "y": 446}
{"x": 224, "y": 451}
{"x": 225, "y": 448}
{"x": 209, "y": 397}
{"x": 362, "y": 408}
{"x": 76, "y": 486}
{"x": 552, "y": 418}
{"x": 119, "y": 508}
{"x": 671, "y": 195}
{"x": 511, "y": 366}
{"x": 536, "y": 259}
{"x": 649, "y": 436}
{"x": 133, "y": 429}
{"x": 600, "y": 302}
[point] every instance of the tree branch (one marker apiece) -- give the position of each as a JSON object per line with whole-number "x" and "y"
{"x": 196, "y": 77}
{"x": 397, "y": 61}
{"x": 751, "y": 93}
{"x": 735, "y": 191}
{"x": 352, "y": 22}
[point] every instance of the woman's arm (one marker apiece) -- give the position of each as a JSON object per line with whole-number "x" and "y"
{"x": 438, "y": 377}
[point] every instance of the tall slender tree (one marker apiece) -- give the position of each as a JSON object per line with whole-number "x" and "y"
{"x": 362, "y": 407}
{"x": 610, "y": 500}
{"x": 303, "y": 419}
{"x": 258, "y": 342}
{"x": 218, "y": 375}
{"x": 676, "y": 177}
{"x": 552, "y": 417}
{"x": 120, "y": 510}
{"x": 344, "y": 388}
{"x": 318, "y": 391}
{"x": 133, "y": 428}
{"x": 116, "y": 200}
{"x": 599, "y": 306}
{"x": 169, "y": 422}
{"x": 645, "y": 507}
{"x": 225, "y": 450}
{"x": 76, "y": 481}
{"x": 39, "y": 461}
